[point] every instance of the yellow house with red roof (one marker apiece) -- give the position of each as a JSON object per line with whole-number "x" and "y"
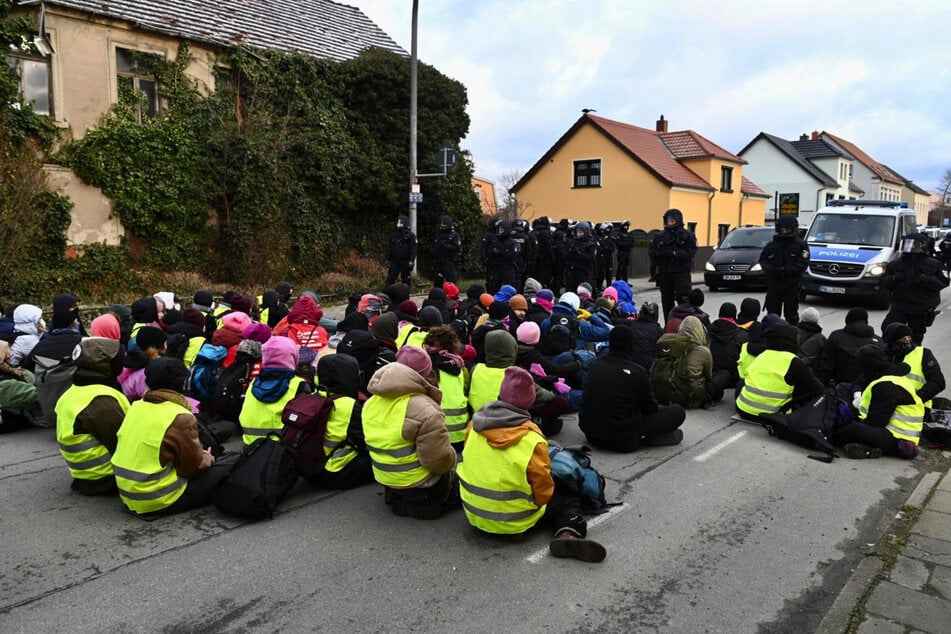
{"x": 603, "y": 170}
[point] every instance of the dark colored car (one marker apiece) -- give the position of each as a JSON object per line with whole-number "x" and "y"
{"x": 735, "y": 262}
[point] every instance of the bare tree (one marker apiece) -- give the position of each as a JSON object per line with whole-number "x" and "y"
{"x": 943, "y": 208}
{"x": 509, "y": 206}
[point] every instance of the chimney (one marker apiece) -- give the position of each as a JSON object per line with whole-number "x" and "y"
{"x": 803, "y": 137}
{"x": 815, "y": 135}
{"x": 661, "y": 124}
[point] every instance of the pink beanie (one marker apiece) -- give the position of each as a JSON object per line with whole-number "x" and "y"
{"x": 416, "y": 358}
{"x": 584, "y": 290}
{"x": 257, "y": 332}
{"x": 528, "y": 333}
{"x": 279, "y": 352}
{"x": 236, "y": 322}
{"x": 611, "y": 292}
{"x": 518, "y": 388}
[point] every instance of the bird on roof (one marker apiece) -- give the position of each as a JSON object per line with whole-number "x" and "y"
{"x": 587, "y": 110}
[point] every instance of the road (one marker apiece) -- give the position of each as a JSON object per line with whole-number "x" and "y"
{"x": 731, "y": 531}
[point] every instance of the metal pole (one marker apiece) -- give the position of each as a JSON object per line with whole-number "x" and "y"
{"x": 412, "y": 122}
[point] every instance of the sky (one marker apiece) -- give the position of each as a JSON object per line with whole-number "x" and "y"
{"x": 876, "y": 73}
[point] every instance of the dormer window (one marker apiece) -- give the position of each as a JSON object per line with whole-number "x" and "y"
{"x": 588, "y": 173}
{"x": 726, "y": 179}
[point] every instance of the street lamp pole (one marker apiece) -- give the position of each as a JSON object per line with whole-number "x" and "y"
{"x": 412, "y": 123}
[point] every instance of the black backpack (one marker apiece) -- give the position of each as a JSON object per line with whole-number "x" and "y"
{"x": 232, "y": 388}
{"x": 260, "y": 478}
{"x": 811, "y": 425}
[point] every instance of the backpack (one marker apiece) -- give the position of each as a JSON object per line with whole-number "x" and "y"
{"x": 670, "y": 380}
{"x": 572, "y": 467}
{"x": 305, "y": 420}
{"x": 203, "y": 377}
{"x": 308, "y": 335}
{"x": 231, "y": 389}
{"x": 260, "y": 478}
{"x": 811, "y": 425}
{"x": 53, "y": 378}
{"x": 177, "y": 345}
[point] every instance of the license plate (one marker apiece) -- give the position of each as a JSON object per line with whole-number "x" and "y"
{"x": 833, "y": 290}
{"x": 732, "y": 278}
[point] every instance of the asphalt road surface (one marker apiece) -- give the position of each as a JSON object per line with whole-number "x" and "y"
{"x": 731, "y": 531}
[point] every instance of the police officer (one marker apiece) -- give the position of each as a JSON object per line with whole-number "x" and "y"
{"x": 671, "y": 252}
{"x": 489, "y": 235}
{"x": 623, "y": 243}
{"x": 446, "y": 247}
{"x": 527, "y": 250}
{"x": 502, "y": 258}
{"x": 916, "y": 280}
{"x": 606, "y": 250}
{"x": 784, "y": 260}
{"x": 560, "y": 242}
{"x": 582, "y": 255}
{"x": 545, "y": 260}
{"x": 400, "y": 252}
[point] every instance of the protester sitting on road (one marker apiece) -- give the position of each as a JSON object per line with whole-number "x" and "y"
{"x": 28, "y": 322}
{"x": 811, "y": 339}
{"x": 146, "y": 311}
{"x": 17, "y": 392}
{"x": 620, "y": 412}
{"x": 646, "y": 332}
{"x": 452, "y": 377}
{"x": 689, "y": 380}
{"x": 890, "y": 412}
{"x": 726, "y": 342}
{"x": 748, "y": 317}
{"x": 925, "y": 371}
{"x": 689, "y": 305}
{"x": 505, "y": 478}
{"x": 406, "y": 434}
{"x": 837, "y": 364}
{"x": 89, "y": 415}
{"x": 271, "y": 391}
{"x": 159, "y": 463}
{"x": 152, "y": 343}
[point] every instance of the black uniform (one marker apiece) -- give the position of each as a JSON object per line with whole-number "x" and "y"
{"x": 671, "y": 253}
{"x": 502, "y": 258}
{"x": 488, "y": 237}
{"x": 784, "y": 260}
{"x": 400, "y": 252}
{"x": 560, "y": 240}
{"x": 623, "y": 242}
{"x": 545, "y": 260}
{"x": 446, "y": 247}
{"x": 582, "y": 255}
{"x": 527, "y": 251}
{"x": 606, "y": 249}
{"x": 916, "y": 280}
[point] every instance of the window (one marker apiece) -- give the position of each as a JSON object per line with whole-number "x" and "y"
{"x": 588, "y": 173}
{"x": 726, "y": 179}
{"x": 692, "y": 227}
{"x": 135, "y": 80}
{"x": 34, "y": 73}
{"x": 722, "y": 229}
{"x": 829, "y": 197}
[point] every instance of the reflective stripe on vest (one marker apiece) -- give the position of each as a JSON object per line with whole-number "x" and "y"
{"x": 339, "y": 454}
{"x": 906, "y": 421}
{"x": 765, "y": 390}
{"x": 485, "y": 385}
{"x": 258, "y": 419}
{"x": 191, "y": 353}
{"x": 85, "y": 456}
{"x": 915, "y": 361}
{"x": 454, "y": 404}
{"x": 145, "y": 485}
{"x": 494, "y": 487}
{"x": 395, "y": 461}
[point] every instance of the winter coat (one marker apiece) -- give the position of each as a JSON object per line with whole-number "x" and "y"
{"x": 646, "y": 334}
{"x": 916, "y": 282}
{"x": 617, "y": 395}
{"x": 699, "y": 360}
{"x": 402, "y": 246}
{"x": 681, "y": 311}
{"x": 672, "y": 250}
{"x": 58, "y": 344}
{"x": 625, "y": 298}
{"x": 726, "y": 339}
{"x": 837, "y": 362}
{"x": 26, "y": 319}
{"x": 811, "y": 343}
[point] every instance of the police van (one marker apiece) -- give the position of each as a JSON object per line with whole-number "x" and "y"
{"x": 850, "y": 244}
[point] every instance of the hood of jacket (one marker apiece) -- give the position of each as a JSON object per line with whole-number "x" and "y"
{"x": 386, "y": 327}
{"x": 499, "y": 415}
{"x": 693, "y": 328}
{"x": 500, "y": 349}
{"x": 396, "y": 379}
{"x": 808, "y": 329}
{"x": 144, "y": 310}
{"x": 784, "y": 338}
{"x": 339, "y": 374}
{"x": 723, "y": 331}
{"x": 271, "y": 384}
{"x": 26, "y": 319}
{"x": 859, "y": 329}
{"x": 305, "y": 310}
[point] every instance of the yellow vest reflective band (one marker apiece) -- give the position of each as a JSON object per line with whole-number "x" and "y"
{"x": 743, "y": 363}
{"x": 85, "y": 456}
{"x": 766, "y": 391}
{"x": 906, "y": 421}
{"x": 395, "y": 461}
{"x": 485, "y": 385}
{"x": 144, "y": 484}
{"x": 494, "y": 486}
{"x": 915, "y": 360}
{"x": 191, "y": 353}
{"x": 410, "y": 335}
{"x": 258, "y": 419}
{"x": 339, "y": 453}
{"x": 454, "y": 404}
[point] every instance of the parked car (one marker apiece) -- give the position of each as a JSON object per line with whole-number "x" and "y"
{"x": 735, "y": 261}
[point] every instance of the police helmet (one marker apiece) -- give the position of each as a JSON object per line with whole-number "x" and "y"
{"x": 676, "y": 215}
{"x": 583, "y": 229}
{"x": 402, "y": 221}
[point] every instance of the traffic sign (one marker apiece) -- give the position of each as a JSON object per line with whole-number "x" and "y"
{"x": 415, "y": 197}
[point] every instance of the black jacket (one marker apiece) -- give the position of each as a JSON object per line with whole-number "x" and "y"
{"x": 916, "y": 282}
{"x": 934, "y": 377}
{"x": 446, "y": 245}
{"x": 672, "y": 250}
{"x": 646, "y": 334}
{"x": 726, "y": 339}
{"x": 811, "y": 343}
{"x": 837, "y": 363}
{"x": 617, "y": 394}
{"x": 402, "y": 246}
{"x": 785, "y": 259}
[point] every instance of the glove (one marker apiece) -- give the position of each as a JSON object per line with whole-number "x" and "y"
{"x": 561, "y": 387}
{"x": 537, "y": 370}
{"x": 856, "y": 399}
{"x": 410, "y": 265}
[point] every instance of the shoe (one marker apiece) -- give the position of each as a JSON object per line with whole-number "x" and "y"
{"x": 907, "y": 449}
{"x": 429, "y": 511}
{"x": 858, "y": 451}
{"x": 553, "y": 428}
{"x": 664, "y": 440}
{"x": 568, "y": 544}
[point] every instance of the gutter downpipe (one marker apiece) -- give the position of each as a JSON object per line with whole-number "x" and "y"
{"x": 710, "y": 216}
{"x": 743, "y": 199}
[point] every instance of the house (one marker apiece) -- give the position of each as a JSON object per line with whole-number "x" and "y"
{"x": 917, "y": 197}
{"x": 803, "y": 175}
{"x": 485, "y": 192}
{"x": 604, "y": 170}
{"x": 85, "y": 49}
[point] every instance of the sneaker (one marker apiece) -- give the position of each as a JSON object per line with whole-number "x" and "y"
{"x": 670, "y": 438}
{"x": 907, "y": 449}
{"x": 858, "y": 451}
{"x": 568, "y": 544}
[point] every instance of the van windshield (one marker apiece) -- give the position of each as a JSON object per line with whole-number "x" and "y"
{"x": 852, "y": 228}
{"x": 747, "y": 239}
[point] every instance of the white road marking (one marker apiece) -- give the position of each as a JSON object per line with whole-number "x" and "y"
{"x": 540, "y": 554}
{"x": 708, "y": 453}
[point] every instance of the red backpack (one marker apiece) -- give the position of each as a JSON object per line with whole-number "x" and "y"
{"x": 305, "y": 420}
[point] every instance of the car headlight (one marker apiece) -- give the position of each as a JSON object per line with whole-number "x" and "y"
{"x": 756, "y": 268}
{"x": 709, "y": 266}
{"x": 876, "y": 270}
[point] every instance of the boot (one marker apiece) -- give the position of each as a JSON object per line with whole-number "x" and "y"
{"x": 664, "y": 440}
{"x": 858, "y": 451}
{"x": 568, "y": 543}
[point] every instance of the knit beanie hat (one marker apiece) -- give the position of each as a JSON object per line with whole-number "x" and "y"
{"x": 257, "y": 332}
{"x": 498, "y": 310}
{"x": 505, "y": 293}
{"x": 570, "y": 299}
{"x": 166, "y": 373}
{"x": 251, "y": 348}
{"x": 429, "y": 316}
{"x": 604, "y": 302}
{"x": 236, "y": 322}
{"x": 728, "y": 310}
{"x": 99, "y": 354}
{"x": 386, "y": 327}
{"x": 518, "y": 388}
{"x": 150, "y": 337}
{"x": 353, "y": 321}
{"x": 518, "y": 302}
{"x": 475, "y": 291}
{"x": 409, "y": 308}
{"x": 306, "y": 356}
{"x": 546, "y": 294}
{"x": 810, "y": 315}
{"x": 611, "y": 292}
{"x": 486, "y": 300}
{"x": 121, "y": 310}
{"x": 416, "y": 358}
{"x": 773, "y": 320}
{"x": 531, "y": 286}
{"x": 241, "y": 303}
{"x": 437, "y": 294}
{"x": 895, "y": 331}
{"x": 194, "y": 317}
{"x": 584, "y": 290}
{"x": 279, "y": 352}
{"x": 529, "y": 333}
{"x": 204, "y": 299}
{"x": 451, "y": 290}
{"x": 750, "y": 309}
{"x": 872, "y": 359}
{"x": 695, "y": 298}
{"x": 398, "y": 293}
{"x": 621, "y": 339}
{"x": 856, "y": 314}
